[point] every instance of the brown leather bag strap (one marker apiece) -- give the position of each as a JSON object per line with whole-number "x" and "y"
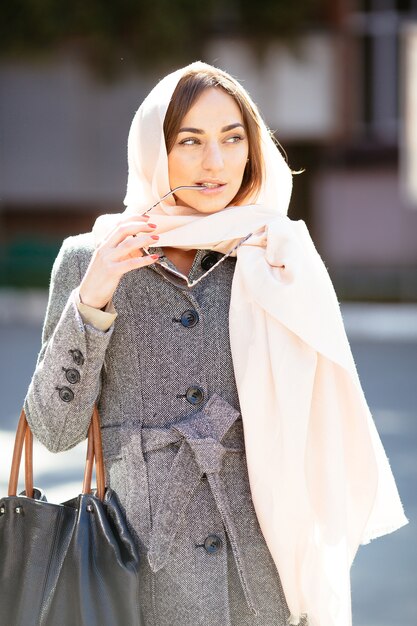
{"x": 94, "y": 451}
{"x": 28, "y": 461}
{"x": 98, "y": 454}
{"x": 24, "y": 437}
{"x": 89, "y": 462}
{"x": 17, "y": 454}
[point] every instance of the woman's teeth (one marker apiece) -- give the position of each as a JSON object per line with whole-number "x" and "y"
{"x": 211, "y": 185}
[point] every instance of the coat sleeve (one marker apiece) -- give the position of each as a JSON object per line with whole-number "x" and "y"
{"x": 66, "y": 381}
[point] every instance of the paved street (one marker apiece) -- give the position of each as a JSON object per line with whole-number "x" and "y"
{"x": 384, "y": 576}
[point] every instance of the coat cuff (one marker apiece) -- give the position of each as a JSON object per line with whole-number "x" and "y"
{"x": 99, "y": 319}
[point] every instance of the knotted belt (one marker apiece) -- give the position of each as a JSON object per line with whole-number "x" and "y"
{"x": 200, "y": 452}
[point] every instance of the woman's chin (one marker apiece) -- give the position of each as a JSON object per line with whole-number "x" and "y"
{"x": 208, "y": 210}
{"x": 205, "y": 202}
{"x": 209, "y": 206}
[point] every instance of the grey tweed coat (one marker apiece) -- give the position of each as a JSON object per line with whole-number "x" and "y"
{"x": 172, "y": 435}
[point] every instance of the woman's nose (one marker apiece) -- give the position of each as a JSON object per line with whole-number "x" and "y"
{"x": 212, "y": 158}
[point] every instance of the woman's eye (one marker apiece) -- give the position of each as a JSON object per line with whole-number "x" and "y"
{"x": 235, "y": 139}
{"x": 190, "y": 141}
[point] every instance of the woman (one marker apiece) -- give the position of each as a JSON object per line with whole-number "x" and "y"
{"x": 234, "y": 427}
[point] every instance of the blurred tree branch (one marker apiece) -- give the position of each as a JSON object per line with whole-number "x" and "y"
{"x": 145, "y": 33}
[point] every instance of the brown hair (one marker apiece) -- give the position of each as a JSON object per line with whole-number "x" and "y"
{"x": 188, "y": 89}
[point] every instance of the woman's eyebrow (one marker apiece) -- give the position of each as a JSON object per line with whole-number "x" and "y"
{"x": 231, "y": 127}
{"x": 200, "y": 131}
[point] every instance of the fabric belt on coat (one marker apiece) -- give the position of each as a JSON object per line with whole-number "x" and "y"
{"x": 200, "y": 452}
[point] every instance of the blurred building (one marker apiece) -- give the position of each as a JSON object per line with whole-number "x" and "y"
{"x": 335, "y": 98}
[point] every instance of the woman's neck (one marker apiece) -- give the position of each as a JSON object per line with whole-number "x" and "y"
{"x": 182, "y": 259}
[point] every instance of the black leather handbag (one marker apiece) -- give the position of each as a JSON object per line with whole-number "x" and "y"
{"x": 70, "y": 564}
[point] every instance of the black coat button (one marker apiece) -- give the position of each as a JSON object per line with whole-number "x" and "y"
{"x": 65, "y": 394}
{"x": 194, "y": 395}
{"x": 213, "y": 544}
{"x": 77, "y": 357}
{"x": 189, "y": 318}
{"x": 72, "y": 375}
{"x": 209, "y": 260}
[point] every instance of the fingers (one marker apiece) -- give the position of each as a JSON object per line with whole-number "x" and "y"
{"x": 131, "y": 226}
{"x": 136, "y": 262}
{"x": 119, "y": 253}
{"x": 134, "y": 245}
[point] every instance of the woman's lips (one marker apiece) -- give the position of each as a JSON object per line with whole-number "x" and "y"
{"x": 211, "y": 188}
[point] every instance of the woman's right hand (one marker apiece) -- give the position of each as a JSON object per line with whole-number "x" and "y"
{"x": 119, "y": 253}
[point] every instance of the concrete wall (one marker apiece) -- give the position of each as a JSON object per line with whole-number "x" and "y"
{"x": 64, "y": 133}
{"x": 363, "y": 220}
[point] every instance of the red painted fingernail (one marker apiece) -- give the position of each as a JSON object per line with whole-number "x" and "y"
{"x": 155, "y": 256}
{"x": 152, "y": 225}
{"x": 154, "y": 236}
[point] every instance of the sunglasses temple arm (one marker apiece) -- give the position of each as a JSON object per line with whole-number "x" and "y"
{"x": 171, "y": 191}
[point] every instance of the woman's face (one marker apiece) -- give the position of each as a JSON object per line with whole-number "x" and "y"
{"x": 211, "y": 149}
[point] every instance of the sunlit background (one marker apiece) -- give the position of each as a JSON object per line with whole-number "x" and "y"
{"x": 337, "y": 82}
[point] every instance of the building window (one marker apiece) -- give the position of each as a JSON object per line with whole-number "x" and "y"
{"x": 376, "y": 25}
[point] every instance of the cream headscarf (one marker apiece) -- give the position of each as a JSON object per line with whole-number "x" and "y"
{"x": 320, "y": 480}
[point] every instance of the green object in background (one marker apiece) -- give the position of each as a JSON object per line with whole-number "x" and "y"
{"x": 27, "y": 262}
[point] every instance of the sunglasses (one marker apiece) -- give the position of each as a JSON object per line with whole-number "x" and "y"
{"x": 176, "y": 272}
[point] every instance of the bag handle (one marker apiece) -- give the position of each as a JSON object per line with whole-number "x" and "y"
{"x": 94, "y": 452}
{"x": 24, "y": 437}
